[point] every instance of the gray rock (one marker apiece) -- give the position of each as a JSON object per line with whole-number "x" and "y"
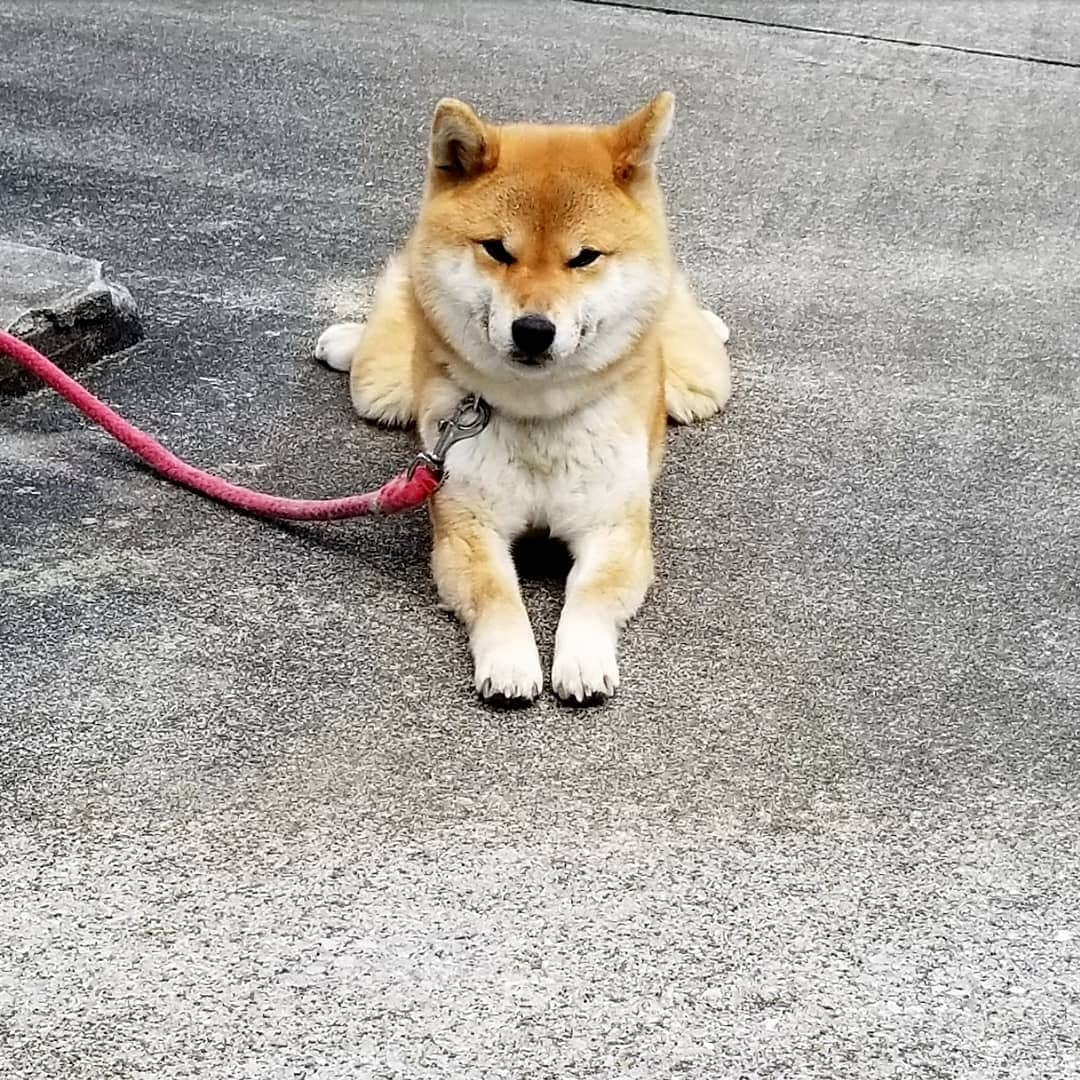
{"x": 64, "y": 306}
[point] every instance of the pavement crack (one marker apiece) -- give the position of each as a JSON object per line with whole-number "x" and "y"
{"x": 823, "y": 31}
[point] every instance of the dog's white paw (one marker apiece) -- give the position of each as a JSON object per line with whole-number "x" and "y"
{"x": 719, "y": 325}
{"x": 507, "y": 669}
{"x": 585, "y": 670}
{"x": 337, "y": 345}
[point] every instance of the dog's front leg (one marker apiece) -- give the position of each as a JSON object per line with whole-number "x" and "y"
{"x": 476, "y": 578}
{"x": 613, "y": 568}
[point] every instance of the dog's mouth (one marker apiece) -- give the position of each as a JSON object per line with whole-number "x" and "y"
{"x": 529, "y": 360}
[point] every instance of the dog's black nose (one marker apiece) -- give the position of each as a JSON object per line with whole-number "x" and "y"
{"x": 533, "y": 335}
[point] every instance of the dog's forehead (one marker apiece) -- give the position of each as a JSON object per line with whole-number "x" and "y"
{"x": 564, "y": 200}
{"x": 549, "y": 178}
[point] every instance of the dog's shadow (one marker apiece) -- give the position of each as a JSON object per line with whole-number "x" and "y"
{"x": 540, "y": 557}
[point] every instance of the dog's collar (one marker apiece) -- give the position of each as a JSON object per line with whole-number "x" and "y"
{"x": 470, "y": 417}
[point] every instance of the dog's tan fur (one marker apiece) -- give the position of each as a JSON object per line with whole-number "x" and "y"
{"x": 575, "y": 445}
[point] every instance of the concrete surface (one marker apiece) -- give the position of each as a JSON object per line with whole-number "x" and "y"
{"x": 1048, "y": 30}
{"x": 64, "y": 306}
{"x": 255, "y": 824}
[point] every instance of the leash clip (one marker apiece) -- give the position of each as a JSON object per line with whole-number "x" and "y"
{"x": 470, "y": 417}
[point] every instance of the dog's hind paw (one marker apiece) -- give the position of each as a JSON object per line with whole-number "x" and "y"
{"x": 337, "y": 345}
{"x": 720, "y": 326}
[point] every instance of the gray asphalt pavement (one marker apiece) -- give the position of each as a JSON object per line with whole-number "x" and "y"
{"x": 253, "y": 823}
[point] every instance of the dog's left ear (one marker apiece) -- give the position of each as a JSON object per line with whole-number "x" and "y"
{"x": 637, "y": 140}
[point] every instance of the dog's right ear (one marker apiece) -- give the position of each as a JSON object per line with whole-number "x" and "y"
{"x": 462, "y": 145}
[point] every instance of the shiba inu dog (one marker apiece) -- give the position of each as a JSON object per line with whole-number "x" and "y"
{"x": 539, "y": 276}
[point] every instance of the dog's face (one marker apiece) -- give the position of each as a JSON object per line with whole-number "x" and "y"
{"x": 541, "y": 253}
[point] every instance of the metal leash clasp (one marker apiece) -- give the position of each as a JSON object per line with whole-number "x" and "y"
{"x": 467, "y": 421}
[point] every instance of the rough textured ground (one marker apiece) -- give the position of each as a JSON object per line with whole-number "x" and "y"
{"x": 254, "y": 824}
{"x": 1047, "y": 29}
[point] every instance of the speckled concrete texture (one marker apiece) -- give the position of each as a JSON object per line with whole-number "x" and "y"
{"x": 254, "y": 823}
{"x": 1047, "y": 30}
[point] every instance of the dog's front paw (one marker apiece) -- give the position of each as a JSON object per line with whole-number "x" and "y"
{"x": 687, "y": 405}
{"x": 507, "y": 670}
{"x": 585, "y": 671}
{"x": 337, "y": 345}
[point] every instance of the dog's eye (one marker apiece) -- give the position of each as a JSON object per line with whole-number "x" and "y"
{"x": 496, "y": 250}
{"x": 584, "y": 257}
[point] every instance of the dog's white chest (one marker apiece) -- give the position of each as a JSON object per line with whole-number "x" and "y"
{"x": 566, "y": 474}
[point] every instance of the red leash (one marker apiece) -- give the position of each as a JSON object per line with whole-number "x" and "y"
{"x": 406, "y": 491}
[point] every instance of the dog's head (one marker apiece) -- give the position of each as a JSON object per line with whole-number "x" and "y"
{"x": 541, "y": 252}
